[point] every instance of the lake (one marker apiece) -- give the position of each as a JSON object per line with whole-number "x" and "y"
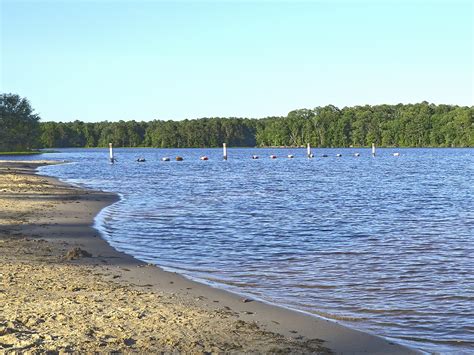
{"x": 383, "y": 244}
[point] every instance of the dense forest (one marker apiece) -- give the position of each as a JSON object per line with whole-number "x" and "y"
{"x": 411, "y": 125}
{"x": 418, "y": 125}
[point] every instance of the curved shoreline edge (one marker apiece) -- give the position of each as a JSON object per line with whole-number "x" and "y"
{"x": 74, "y": 224}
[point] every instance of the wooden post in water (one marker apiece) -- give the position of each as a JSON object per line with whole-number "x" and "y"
{"x": 224, "y": 149}
{"x": 373, "y": 149}
{"x": 111, "y": 154}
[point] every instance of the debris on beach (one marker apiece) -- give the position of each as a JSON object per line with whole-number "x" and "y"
{"x": 77, "y": 253}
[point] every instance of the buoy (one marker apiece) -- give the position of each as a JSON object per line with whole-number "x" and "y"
{"x": 338, "y": 155}
{"x": 204, "y": 158}
{"x": 141, "y": 160}
{"x": 396, "y": 154}
{"x": 254, "y": 156}
{"x": 179, "y": 158}
{"x": 291, "y": 156}
{"x": 111, "y": 154}
{"x": 308, "y": 151}
{"x": 167, "y": 159}
{"x": 224, "y": 151}
{"x": 357, "y": 154}
{"x": 324, "y": 155}
{"x": 273, "y": 156}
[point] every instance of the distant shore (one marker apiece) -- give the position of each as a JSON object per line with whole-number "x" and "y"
{"x": 63, "y": 288}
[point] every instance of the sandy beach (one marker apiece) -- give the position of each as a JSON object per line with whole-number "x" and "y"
{"x": 64, "y": 289}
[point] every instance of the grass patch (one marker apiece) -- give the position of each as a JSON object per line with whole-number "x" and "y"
{"x": 30, "y": 152}
{"x": 20, "y": 153}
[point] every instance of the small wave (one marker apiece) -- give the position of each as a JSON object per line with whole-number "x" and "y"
{"x": 306, "y": 286}
{"x": 455, "y": 342}
{"x": 390, "y": 311}
{"x": 455, "y": 298}
{"x": 340, "y": 317}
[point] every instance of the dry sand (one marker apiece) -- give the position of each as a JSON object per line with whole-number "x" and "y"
{"x": 64, "y": 289}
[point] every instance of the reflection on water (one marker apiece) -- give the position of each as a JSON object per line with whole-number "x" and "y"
{"x": 384, "y": 244}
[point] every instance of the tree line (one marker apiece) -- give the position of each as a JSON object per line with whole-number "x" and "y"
{"x": 413, "y": 125}
{"x": 403, "y": 125}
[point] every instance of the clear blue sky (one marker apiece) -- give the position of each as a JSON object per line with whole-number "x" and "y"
{"x": 143, "y": 60}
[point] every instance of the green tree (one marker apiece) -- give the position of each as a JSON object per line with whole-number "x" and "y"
{"x": 19, "y": 128}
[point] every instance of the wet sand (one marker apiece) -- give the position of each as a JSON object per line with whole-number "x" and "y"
{"x": 63, "y": 288}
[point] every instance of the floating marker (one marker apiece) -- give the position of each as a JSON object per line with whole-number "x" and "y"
{"x": 273, "y": 156}
{"x": 224, "y": 150}
{"x": 357, "y": 154}
{"x": 324, "y": 155}
{"x": 141, "y": 160}
{"x": 373, "y": 149}
{"x": 396, "y": 154}
{"x": 291, "y": 156}
{"x": 178, "y": 158}
{"x": 166, "y": 159}
{"x": 111, "y": 154}
{"x": 204, "y": 158}
{"x": 338, "y": 155}
{"x": 254, "y": 156}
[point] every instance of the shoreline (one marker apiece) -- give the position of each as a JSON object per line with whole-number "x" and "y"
{"x": 63, "y": 216}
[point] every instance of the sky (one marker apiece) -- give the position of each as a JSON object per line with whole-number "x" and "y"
{"x": 121, "y": 60}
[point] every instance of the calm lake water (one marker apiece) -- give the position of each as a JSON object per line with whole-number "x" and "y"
{"x": 383, "y": 244}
